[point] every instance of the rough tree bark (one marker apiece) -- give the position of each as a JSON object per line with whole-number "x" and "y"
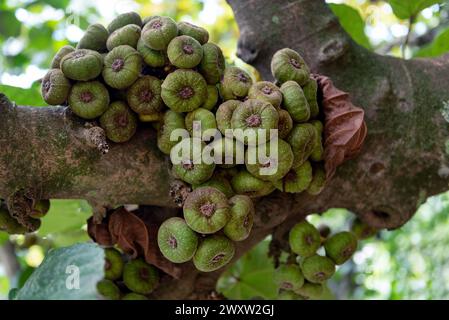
{"x": 404, "y": 159}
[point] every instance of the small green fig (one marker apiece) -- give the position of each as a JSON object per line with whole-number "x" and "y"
{"x": 122, "y": 67}
{"x": 235, "y": 84}
{"x": 191, "y": 30}
{"x": 287, "y": 65}
{"x": 89, "y": 100}
{"x": 184, "y": 52}
{"x": 123, "y": 20}
{"x": 82, "y": 65}
{"x": 94, "y": 38}
{"x": 158, "y": 32}
{"x": 55, "y": 87}
{"x": 127, "y": 35}
{"x": 206, "y": 210}
{"x": 119, "y": 122}
{"x": 212, "y": 65}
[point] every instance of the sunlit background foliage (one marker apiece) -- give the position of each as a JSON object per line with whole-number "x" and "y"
{"x": 411, "y": 262}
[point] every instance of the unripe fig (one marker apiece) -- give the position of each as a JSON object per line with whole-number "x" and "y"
{"x": 302, "y": 139}
{"x": 304, "y": 239}
{"x": 134, "y": 296}
{"x": 200, "y": 116}
{"x": 82, "y": 65}
{"x": 318, "y": 149}
{"x": 311, "y": 93}
{"x": 318, "y": 179}
{"x": 119, "y": 122}
{"x": 288, "y": 277}
{"x": 295, "y": 102}
{"x": 213, "y": 253}
{"x": 212, "y": 65}
{"x": 196, "y": 32}
{"x": 212, "y": 97}
{"x": 158, "y": 32}
{"x": 224, "y": 114}
{"x": 266, "y": 91}
{"x": 184, "y": 90}
{"x": 252, "y": 115}
{"x": 245, "y": 183}
{"x": 153, "y": 58}
{"x": 187, "y": 170}
{"x": 184, "y": 52}
{"x": 218, "y": 182}
{"x": 274, "y": 166}
{"x": 361, "y": 230}
{"x": 241, "y": 222}
{"x": 206, "y": 210}
{"x": 170, "y": 121}
{"x": 127, "y": 35}
{"x": 113, "y": 267}
{"x": 287, "y": 64}
{"x": 56, "y": 62}
{"x": 148, "y": 19}
{"x": 317, "y": 269}
{"x": 285, "y": 124}
{"x": 341, "y": 246}
{"x": 89, "y": 100}
{"x": 94, "y": 38}
{"x": 122, "y": 67}
{"x": 123, "y": 20}
{"x": 296, "y": 180}
{"x": 9, "y": 224}
{"x": 177, "y": 242}
{"x": 144, "y": 96}
{"x": 55, "y": 87}
{"x": 108, "y": 290}
{"x": 235, "y": 83}
{"x": 310, "y": 291}
{"x": 140, "y": 277}
{"x": 40, "y": 209}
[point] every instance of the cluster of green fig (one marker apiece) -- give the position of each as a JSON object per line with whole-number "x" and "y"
{"x": 11, "y": 225}
{"x": 211, "y": 224}
{"x": 131, "y": 280}
{"x": 167, "y": 73}
{"x": 306, "y": 275}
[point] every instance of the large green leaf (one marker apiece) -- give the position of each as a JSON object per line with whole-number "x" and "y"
{"x": 439, "y": 46}
{"x": 250, "y": 277}
{"x": 9, "y": 25}
{"x": 352, "y": 22}
{"x": 405, "y": 9}
{"x": 56, "y": 277}
{"x": 28, "y": 97}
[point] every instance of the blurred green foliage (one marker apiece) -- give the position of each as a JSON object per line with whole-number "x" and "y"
{"x": 407, "y": 263}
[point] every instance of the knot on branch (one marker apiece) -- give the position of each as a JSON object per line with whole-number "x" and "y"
{"x": 4, "y": 101}
{"x": 248, "y": 46}
{"x": 384, "y": 217}
{"x": 179, "y": 192}
{"x": 96, "y": 138}
{"x": 20, "y": 206}
{"x": 333, "y": 50}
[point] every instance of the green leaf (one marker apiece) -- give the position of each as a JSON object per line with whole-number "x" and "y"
{"x": 439, "y": 46}
{"x": 65, "y": 216}
{"x": 28, "y": 97}
{"x": 56, "y": 278}
{"x": 250, "y": 277}
{"x": 9, "y": 25}
{"x": 352, "y": 22}
{"x": 404, "y": 9}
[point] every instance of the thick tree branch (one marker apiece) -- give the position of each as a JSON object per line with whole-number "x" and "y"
{"x": 404, "y": 159}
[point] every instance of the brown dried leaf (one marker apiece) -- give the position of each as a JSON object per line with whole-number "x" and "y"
{"x": 344, "y": 126}
{"x": 134, "y": 237}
